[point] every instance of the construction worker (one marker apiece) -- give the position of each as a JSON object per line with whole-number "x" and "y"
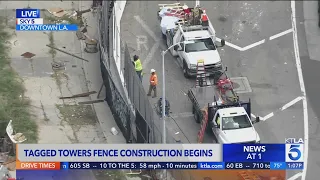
{"x": 138, "y": 66}
{"x": 153, "y": 83}
{"x": 218, "y": 121}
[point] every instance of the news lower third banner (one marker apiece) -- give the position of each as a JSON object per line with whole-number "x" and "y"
{"x": 32, "y": 166}
{"x": 160, "y": 152}
{"x": 119, "y": 152}
{"x": 46, "y": 27}
{"x": 254, "y": 153}
{"x": 159, "y": 156}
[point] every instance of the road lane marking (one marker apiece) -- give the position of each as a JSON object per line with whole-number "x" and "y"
{"x": 302, "y": 87}
{"x": 149, "y": 57}
{"x": 145, "y": 27}
{"x": 281, "y": 34}
{"x": 296, "y": 176}
{"x": 270, "y": 115}
{"x": 230, "y": 45}
{"x": 157, "y": 40}
{"x": 291, "y": 103}
{"x": 253, "y": 45}
{"x": 284, "y": 107}
{"x": 142, "y": 40}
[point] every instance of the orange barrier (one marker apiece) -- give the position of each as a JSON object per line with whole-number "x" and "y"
{"x": 204, "y": 124}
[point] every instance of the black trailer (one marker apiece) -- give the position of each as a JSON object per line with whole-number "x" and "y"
{"x": 200, "y": 97}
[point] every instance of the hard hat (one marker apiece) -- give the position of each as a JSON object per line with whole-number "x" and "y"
{"x": 152, "y": 71}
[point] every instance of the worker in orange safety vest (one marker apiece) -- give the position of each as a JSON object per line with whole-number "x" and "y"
{"x": 153, "y": 83}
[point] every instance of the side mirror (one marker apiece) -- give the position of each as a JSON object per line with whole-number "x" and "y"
{"x": 258, "y": 119}
{"x": 223, "y": 42}
{"x": 176, "y": 47}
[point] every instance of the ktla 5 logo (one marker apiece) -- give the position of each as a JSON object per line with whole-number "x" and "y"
{"x": 294, "y": 152}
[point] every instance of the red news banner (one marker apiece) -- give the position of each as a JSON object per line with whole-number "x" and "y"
{"x": 37, "y": 165}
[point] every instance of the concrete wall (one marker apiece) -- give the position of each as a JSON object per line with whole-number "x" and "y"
{"x": 118, "y": 11}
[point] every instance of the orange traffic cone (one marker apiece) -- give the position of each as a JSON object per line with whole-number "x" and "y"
{"x": 204, "y": 18}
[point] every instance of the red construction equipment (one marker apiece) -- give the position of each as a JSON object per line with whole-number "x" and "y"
{"x": 191, "y": 15}
{"x": 224, "y": 91}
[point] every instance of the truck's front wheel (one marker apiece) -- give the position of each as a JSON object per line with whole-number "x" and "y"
{"x": 185, "y": 71}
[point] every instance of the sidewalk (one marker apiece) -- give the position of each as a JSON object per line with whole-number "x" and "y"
{"x": 311, "y": 19}
{"x": 62, "y": 121}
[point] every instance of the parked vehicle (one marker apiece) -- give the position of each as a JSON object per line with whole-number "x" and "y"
{"x": 192, "y": 37}
{"x": 218, "y": 108}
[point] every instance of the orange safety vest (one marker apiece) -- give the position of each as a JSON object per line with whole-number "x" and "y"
{"x": 154, "y": 80}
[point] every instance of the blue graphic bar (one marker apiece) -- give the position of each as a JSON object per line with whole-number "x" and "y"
{"x": 211, "y": 165}
{"x": 28, "y": 13}
{"x": 294, "y": 165}
{"x": 247, "y": 165}
{"x": 64, "y": 165}
{"x": 46, "y": 27}
{"x": 177, "y": 165}
{"x": 278, "y": 165}
{"x": 254, "y": 152}
{"x": 129, "y": 165}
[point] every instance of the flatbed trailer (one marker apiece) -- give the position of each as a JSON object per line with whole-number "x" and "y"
{"x": 221, "y": 92}
{"x": 200, "y": 97}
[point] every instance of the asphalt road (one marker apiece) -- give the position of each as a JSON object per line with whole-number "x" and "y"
{"x": 270, "y": 67}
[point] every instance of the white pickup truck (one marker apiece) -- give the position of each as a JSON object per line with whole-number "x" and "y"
{"x": 193, "y": 42}
{"x": 218, "y": 108}
{"x": 235, "y": 126}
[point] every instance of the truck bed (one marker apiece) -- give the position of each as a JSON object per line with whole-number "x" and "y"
{"x": 202, "y": 95}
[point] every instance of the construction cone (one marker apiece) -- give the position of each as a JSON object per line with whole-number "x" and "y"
{"x": 204, "y": 18}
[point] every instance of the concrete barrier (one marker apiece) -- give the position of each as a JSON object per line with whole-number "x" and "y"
{"x": 119, "y": 7}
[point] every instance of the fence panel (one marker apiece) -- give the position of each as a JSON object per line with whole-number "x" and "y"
{"x": 145, "y": 125}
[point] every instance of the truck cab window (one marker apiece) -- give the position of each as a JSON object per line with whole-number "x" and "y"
{"x": 236, "y": 122}
{"x": 200, "y": 45}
